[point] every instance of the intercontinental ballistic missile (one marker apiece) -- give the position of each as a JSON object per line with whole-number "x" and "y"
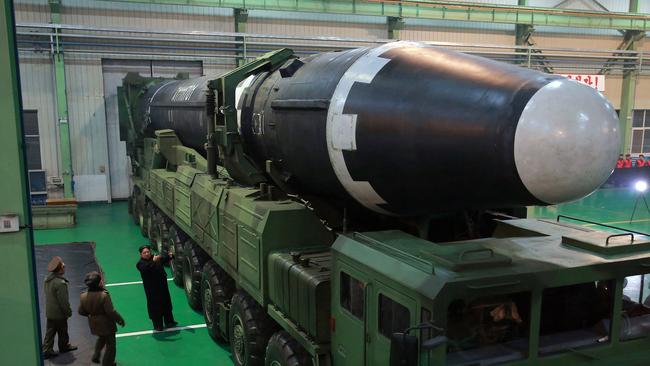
{"x": 408, "y": 129}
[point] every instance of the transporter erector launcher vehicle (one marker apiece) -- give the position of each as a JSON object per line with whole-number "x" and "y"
{"x": 364, "y": 207}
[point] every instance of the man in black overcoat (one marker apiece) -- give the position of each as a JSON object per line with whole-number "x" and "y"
{"x": 154, "y": 280}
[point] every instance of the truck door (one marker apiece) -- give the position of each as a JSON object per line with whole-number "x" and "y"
{"x": 349, "y": 315}
{"x": 388, "y": 311}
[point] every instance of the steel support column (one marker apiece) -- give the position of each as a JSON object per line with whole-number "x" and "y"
{"x": 395, "y": 25}
{"x": 522, "y": 33}
{"x": 20, "y": 321}
{"x": 241, "y": 18}
{"x": 628, "y": 90}
{"x": 65, "y": 163}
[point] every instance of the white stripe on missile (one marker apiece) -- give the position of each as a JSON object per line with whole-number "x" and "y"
{"x": 341, "y": 128}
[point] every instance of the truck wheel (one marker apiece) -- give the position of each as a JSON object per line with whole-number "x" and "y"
{"x": 131, "y": 207}
{"x": 161, "y": 228}
{"x": 249, "y": 331}
{"x": 151, "y": 218}
{"x": 175, "y": 241}
{"x": 141, "y": 214}
{"x": 284, "y": 350}
{"x": 193, "y": 261}
{"x": 217, "y": 287}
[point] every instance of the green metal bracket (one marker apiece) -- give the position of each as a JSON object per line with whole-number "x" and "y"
{"x": 241, "y": 18}
{"x": 395, "y": 25}
{"x": 221, "y": 104}
{"x": 438, "y": 10}
{"x": 61, "y": 101}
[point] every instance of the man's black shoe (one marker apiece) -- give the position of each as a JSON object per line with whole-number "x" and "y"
{"x": 50, "y": 354}
{"x": 69, "y": 349}
{"x": 158, "y": 328}
{"x": 171, "y": 325}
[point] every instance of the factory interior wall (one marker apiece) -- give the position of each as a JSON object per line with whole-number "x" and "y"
{"x": 84, "y": 74}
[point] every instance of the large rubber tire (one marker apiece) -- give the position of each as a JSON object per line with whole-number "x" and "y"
{"x": 175, "y": 240}
{"x": 151, "y": 219}
{"x": 284, "y": 350}
{"x": 140, "y": 214}
{"x": 193, "y": 262}
{"x": 249, "y": 330}
{"x": 131, "y": 207}
{"x": 162, "y": 231}
{"x": 216, "y": 287}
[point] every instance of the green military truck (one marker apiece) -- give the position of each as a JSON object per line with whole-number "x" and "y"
{"x": 326, "y": 210}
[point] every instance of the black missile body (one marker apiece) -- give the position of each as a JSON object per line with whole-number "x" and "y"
{"x": 406, "y": 129}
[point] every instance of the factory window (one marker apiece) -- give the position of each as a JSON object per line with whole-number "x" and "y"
{"x": 641, "y": 131}
{"x": 393, "y": 316}
{"x": 425, "y": 317}
{"x": 635, "y": 322}
{"x": 352, "y": 295}
{"x": 576, "y": 316}
{"x": 32, "y": 139}
{"x": 488, "y": 330}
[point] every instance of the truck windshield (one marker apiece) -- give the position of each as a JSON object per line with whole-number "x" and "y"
{"x": 635, "y": 322}
{"x": 576, "y": 316}
{"x": 491, "y": 329}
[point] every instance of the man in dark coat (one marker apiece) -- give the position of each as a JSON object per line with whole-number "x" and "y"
{"x": 154, "y": 280}
{"x": 96, "y": 304}
{"x": 57, "y": 309}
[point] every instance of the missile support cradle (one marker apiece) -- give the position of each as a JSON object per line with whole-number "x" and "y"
{"x": 301, "y": 257}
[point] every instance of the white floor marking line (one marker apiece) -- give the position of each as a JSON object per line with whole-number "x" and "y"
{"x": 129, "y": 283}
{"x": 132, "y": 334}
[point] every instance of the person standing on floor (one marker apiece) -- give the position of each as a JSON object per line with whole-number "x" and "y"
{"x": 96, "y": 304}
{"x": 154, "y": 280}
{"x": 57, "y": 309}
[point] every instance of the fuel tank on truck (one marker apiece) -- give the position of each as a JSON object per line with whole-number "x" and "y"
{"x": 409, "y": 129}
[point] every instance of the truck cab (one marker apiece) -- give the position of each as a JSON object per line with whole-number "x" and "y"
{"x": 538, "y": 292}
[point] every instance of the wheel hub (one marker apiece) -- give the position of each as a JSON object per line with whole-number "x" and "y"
{"x": 239, "y": 340}
{"x": 187, "y": 276}
{"x": 172, "y": 262}
{"x": 207, "y": 305}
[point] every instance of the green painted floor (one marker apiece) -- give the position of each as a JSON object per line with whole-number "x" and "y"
{"x": 608, "y": 206}
{"x": 117, "y": 240}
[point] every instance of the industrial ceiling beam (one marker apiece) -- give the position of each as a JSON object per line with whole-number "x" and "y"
{"x": 438, "y": 10}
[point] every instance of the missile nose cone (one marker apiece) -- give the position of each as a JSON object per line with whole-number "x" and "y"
{"x": 566, "y": 141}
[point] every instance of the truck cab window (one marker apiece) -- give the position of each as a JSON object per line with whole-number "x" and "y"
{"x": 635, "y": 322}
{"x": 576, "y": 316}
{"x": 488, "y": 330}
{"x": 393, "y": 316}
{"x": 352, "y": 295}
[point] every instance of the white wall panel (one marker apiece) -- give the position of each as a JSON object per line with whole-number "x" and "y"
{"x": 87, "y": 125}
{"x": 32, "y": 11}
{"x": 472, "y": 36}
{"x": 147, "y": 16}
{"x": 301, "y": 27}
{"x": 36, "y": 79}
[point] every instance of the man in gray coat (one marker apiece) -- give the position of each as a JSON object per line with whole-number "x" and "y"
{"x": 96, "y": 304}
{"x": 57, "y": 309}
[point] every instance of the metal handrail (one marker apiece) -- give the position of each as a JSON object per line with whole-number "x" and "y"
{"x": 563, "y": 60}
{"x": 600, "y": 224}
